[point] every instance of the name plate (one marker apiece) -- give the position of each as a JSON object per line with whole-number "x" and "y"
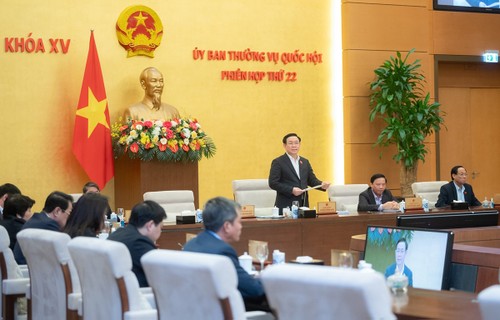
{"x": 248, "y": 211}
{"x": 413, "y": 203}
{"x": 326, "y": 207}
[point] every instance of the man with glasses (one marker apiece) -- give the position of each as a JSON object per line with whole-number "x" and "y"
{"x": 55, "y": 213}
{"x": 457, "y": 189}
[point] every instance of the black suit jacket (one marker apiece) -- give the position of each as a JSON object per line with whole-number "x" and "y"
{"x": 448, "y": 193}
{"x": 367, "y": 202}
{"x": 283, "y": 178}
{"x": 37, "y": 221}
{"x": 205, "y": 242}
{"x": 138, "y": 245}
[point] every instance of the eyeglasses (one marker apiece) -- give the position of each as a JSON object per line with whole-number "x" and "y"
{"x": 67, "y": 211}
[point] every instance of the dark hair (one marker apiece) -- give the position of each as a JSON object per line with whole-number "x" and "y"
{"x": 146, "y": 211}
{"x": 217, "y": 211}
{"x": 9, "y": 188}
{"x": 57, "y": 199}
{"x": 377, "y": 176}
{"x": 17, "y": 204}
{"x": 290, "y": 135}
{"x": 90, "y": 184}
{"x": 454, "y": 170}
{"x": 88, "y": 216}
{"x": 404, "y": 241}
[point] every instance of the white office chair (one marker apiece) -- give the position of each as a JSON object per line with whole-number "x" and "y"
{"x": 54, "y": 285}
{"x": 297, "y": 291}
{"x": 15, "y": 279}
{"x": 346, "y": 196}
{"x": 190, "y": 285}
{"x": 489, "y": 302}
{"x": 255, "y": 192}
{"x": 428, "y": 190}
{"x": 76, "y": 196}
{"x": 173, "y": 201}
{"x": 110, "y": 289}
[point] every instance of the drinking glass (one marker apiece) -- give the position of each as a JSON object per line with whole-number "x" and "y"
{"x": 345, "y": 259}
{"x": 262, "y": 252}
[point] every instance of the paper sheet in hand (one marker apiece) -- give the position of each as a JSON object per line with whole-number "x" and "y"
{"x": 310, "y": 188}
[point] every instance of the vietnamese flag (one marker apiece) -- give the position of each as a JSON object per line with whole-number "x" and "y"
{"x": 92, "y": 135}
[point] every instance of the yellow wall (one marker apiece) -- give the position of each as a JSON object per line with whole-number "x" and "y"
{"x": 39, "y": 92}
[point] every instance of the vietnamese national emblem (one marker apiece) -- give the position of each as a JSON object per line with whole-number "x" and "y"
{"x": 139, "y": 31}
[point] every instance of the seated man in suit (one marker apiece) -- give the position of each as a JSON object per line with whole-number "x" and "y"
{"x": 457, "y": 189}
{"x": 377, "y": 197}
{"x": 141, "y": 233}
{"x": 222, "y": 221}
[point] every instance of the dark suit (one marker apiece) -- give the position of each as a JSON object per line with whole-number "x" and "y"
{"x": 448, "y": 193}
{"x": 37, "y": 221}
{"x": 367, "y": 201}
{"x": 13, "y": 225}
{"x": 206, "y": 242}
{"x": 138, "y": 245}
{"x": 283, "y": 178}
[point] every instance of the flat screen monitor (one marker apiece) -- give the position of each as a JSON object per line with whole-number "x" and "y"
{"x": 425, "y": 254}
{"x": 459, "y": 219}
{"x": 489, "y": 6}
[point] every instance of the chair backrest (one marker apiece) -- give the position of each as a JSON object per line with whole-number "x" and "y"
{"x": 346, "y": 196}
{"x": 428, "y": 190}
{"x": 109, "y": 287}
{"x": 9, "y": 268}
{"x": 173, "y": 201}
{"x": 190, "y": 285}
{"x": 255, "y": 192}
{"x": 320, "y": 292}
{"x": 489, "y": 302}
{"x": 76, "y": 196}
{"x": 52, "y": 273}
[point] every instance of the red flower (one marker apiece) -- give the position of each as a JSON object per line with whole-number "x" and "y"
{"x": 167, "y": 124}
{"x": 174, "y": 148}
{"x": 185, "y": 147}
{"x": 134, "y": 147}
{"x": 162, "y": 147}
{"x": 193, "y": 125}
{"x": 148, "y": 124}
{"x": 169, "y": 134}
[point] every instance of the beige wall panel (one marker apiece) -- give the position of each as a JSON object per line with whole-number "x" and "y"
{"x": 465, "y": 33}
{"x": 359, "y": 67}
{"x": 418, "y": 3}
{"x": 368, "y": 26}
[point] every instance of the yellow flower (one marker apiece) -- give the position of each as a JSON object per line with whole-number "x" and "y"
{"x": 194, "y": 135}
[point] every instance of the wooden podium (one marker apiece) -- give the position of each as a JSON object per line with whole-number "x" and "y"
{"x": 134, "y": 177}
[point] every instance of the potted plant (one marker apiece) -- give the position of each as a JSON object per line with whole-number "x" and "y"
{"x": 398, "y": 98}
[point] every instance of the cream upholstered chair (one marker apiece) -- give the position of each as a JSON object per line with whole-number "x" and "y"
{"x": 15, "y": 278}
{"x": 428, "y": 190}
{"x": 191, "y": 285}
{"x": 489, "y": 302}
{"x": 346, "y": 196}
{"x": 297, "y": 291}
{"x": 110, "y": 289}
{"x": 173, "y": 201}
{"x": 54, "y": 286}
{"x": 255, "y": 192}
{"x": 76, "y": 196}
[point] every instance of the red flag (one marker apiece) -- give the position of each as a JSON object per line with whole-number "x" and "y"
{"x": 92, "y": 135}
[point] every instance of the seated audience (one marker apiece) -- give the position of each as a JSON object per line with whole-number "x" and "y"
{"x": 377, "y": 197}
{"x": 55, "y": 213}
{"x": 87, "y": 219}
{"x": 222, "y": 221}
{"x": 141, "y": 233}
{"x": 16, "y": 212}
{"x": 93, "y": 187}
{"x": 457, "y": 189}
{"x": 6, "y": 190}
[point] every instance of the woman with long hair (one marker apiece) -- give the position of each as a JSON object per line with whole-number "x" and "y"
{"x": 87, "y": 218}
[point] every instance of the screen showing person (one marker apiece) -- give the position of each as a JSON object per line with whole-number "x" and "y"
{"x": 424, "y": 256}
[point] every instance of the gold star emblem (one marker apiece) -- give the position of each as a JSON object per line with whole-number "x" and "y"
{"x": 140, "y": 19}
{"x": 94, "y": 112}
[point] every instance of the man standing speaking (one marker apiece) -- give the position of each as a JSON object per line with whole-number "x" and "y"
{"x": 291, "y": 174}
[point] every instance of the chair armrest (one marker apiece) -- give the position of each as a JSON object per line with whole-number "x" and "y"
{"x": 25, "y": 271}
{"x": 75, "y": 301}
{"x": 259, "y": 315}
{"x": 150, "y": 314}
{"x": 150, "y": 298}
{"x": 146, "y": 290}
{"x": 15, "y": 286}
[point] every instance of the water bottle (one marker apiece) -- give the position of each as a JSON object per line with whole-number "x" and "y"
{"x": 402, "y": 206}
{"x": 425, "y": 205}
{"x": 199, "y": 216}
{"x": 278, "y": 257}
{"x": 120, "y": 216}
{"x": 295, "y": 210}
{"x": 492, "y": 204}
{"x": 113, "y": 217}
{"x": 486, "y": 203}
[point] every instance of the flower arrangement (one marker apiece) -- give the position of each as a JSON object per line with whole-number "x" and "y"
{"x": 172, "y": 141}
